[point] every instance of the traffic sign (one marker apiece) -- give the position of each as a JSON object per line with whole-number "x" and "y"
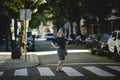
{"x": 25, "y": 14}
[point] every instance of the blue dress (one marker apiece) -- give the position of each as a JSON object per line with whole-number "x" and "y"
{"x": 61, "y": 42}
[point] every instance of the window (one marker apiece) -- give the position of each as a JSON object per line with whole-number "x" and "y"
{"x": 114, "y": 35}
{"x": 118, "y": 35}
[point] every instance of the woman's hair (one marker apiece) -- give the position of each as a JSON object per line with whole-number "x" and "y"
{"x": 61, "y": 29}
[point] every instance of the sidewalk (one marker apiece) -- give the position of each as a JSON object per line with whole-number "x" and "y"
{"x": 6, "y": 63}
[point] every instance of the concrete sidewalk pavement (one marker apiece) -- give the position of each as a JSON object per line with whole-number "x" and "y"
{"x": 6, "y": 63}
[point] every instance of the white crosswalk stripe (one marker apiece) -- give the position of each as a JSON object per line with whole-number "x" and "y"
{"x": 1, "y": 73}
{"x": 45, "y": 71}
{"x": 21, "y": 72}
{"x": 117, "y": 68}
{"x": 71, "y": 72}
{"x": 98, "y": 71}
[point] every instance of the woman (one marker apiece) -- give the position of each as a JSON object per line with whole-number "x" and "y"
{"x": 59, "y": 43}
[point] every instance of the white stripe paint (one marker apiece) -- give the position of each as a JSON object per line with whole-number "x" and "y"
{"x": 1, "y": 73}
{"x": 98, "y": 71}
{"x": 117, "y": 68}
{"x": 45, "y": 71}
{"x": 71, "y": 72}
{"x": 21, "y": 72}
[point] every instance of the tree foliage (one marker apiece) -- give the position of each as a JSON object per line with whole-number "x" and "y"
{"x": 12, "y": 7}
{"x": 59, "y": 11}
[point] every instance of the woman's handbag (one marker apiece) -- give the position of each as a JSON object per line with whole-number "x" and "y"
{"x": 66, "y": 51}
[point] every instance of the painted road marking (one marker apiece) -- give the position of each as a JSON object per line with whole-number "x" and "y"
{"x": 98, "y": 71}
{"x": 45, "y": 71}
{"x": 21, "y": 72}
{"x": 1, "y": 73}
{"x": 71, "y": 72}
{"x": 117, "y": 68}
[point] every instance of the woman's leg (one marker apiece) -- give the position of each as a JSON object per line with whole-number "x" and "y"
{"x": 61, "y": 56}
{"x": 59, "y": 67}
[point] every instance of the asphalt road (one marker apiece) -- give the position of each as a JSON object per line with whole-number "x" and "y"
{"x": 78, "y": 65}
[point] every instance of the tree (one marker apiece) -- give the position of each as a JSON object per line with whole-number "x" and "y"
{"x": 95, "y": 11}
{"x": 11, "y": 8}
{"x": 62, "y": 11}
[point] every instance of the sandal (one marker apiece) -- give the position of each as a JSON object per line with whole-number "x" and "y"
{"x": 58, "y": 70}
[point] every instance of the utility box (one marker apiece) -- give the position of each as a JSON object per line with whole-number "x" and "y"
{"x": 15, "y": 50}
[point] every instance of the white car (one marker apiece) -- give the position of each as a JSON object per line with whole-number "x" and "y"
{"x": 50, "y": 36}
{"x": 114, "y": 45}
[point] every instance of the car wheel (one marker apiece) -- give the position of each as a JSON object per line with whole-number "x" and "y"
{"x": 116, "y": 56}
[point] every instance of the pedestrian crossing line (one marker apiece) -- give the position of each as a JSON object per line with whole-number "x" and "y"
{"x": 45, "y": 71}
{"x": 1, "y": 73}
{"x": 117, "y": 68}
{"x": 21, "y": 72}
{"x": 71, "y": 72}
{"x": 98, "y": 71}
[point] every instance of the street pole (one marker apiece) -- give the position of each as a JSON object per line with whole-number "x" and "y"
{"x": 25, "y": 38}
{"x": 25, "y": 14}
{"x": 25, "y": 35}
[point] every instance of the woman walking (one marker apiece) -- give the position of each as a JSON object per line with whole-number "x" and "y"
{"x": 59, "y": 43}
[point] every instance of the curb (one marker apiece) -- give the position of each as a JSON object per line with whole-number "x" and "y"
{"x": 32, "y": 60}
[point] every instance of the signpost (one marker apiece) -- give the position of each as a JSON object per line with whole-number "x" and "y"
{"x": 25, "y": 14}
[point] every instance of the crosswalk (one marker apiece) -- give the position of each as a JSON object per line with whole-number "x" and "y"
{"x": 45, "y": 71}
{"x": 98, "y": 71}
{"x": 69, "y": 71}
{"x": 21, "y": 72}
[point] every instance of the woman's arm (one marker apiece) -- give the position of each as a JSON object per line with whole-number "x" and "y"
{"x": 53, "y": 44}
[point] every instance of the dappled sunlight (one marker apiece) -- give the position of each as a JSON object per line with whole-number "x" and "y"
{"x": 5, "y": 53}
{"x": 49, "y": 52}
{"x": 55, "y": 52}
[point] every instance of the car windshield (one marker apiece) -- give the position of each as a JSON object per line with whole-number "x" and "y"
{"x": 118, "y": 35}
{"x": 49, "y": 34}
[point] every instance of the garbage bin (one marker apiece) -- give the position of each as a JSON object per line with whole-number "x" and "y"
{"x": 15, "y": 51}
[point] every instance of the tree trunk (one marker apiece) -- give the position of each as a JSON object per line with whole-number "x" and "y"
{"x": 15, "y": 31}
{"x": 78, "y": 27}
{"x": 22, "y": 38}
{"x": 7, "y": 45}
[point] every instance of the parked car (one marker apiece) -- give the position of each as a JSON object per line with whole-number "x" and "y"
{"x": 89, "y": 39}
{"x": 99, "y": 44}
{"x": 50, "y": 36}
{"x": 30, "y": 42}
{"x": 114, "y": 45}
